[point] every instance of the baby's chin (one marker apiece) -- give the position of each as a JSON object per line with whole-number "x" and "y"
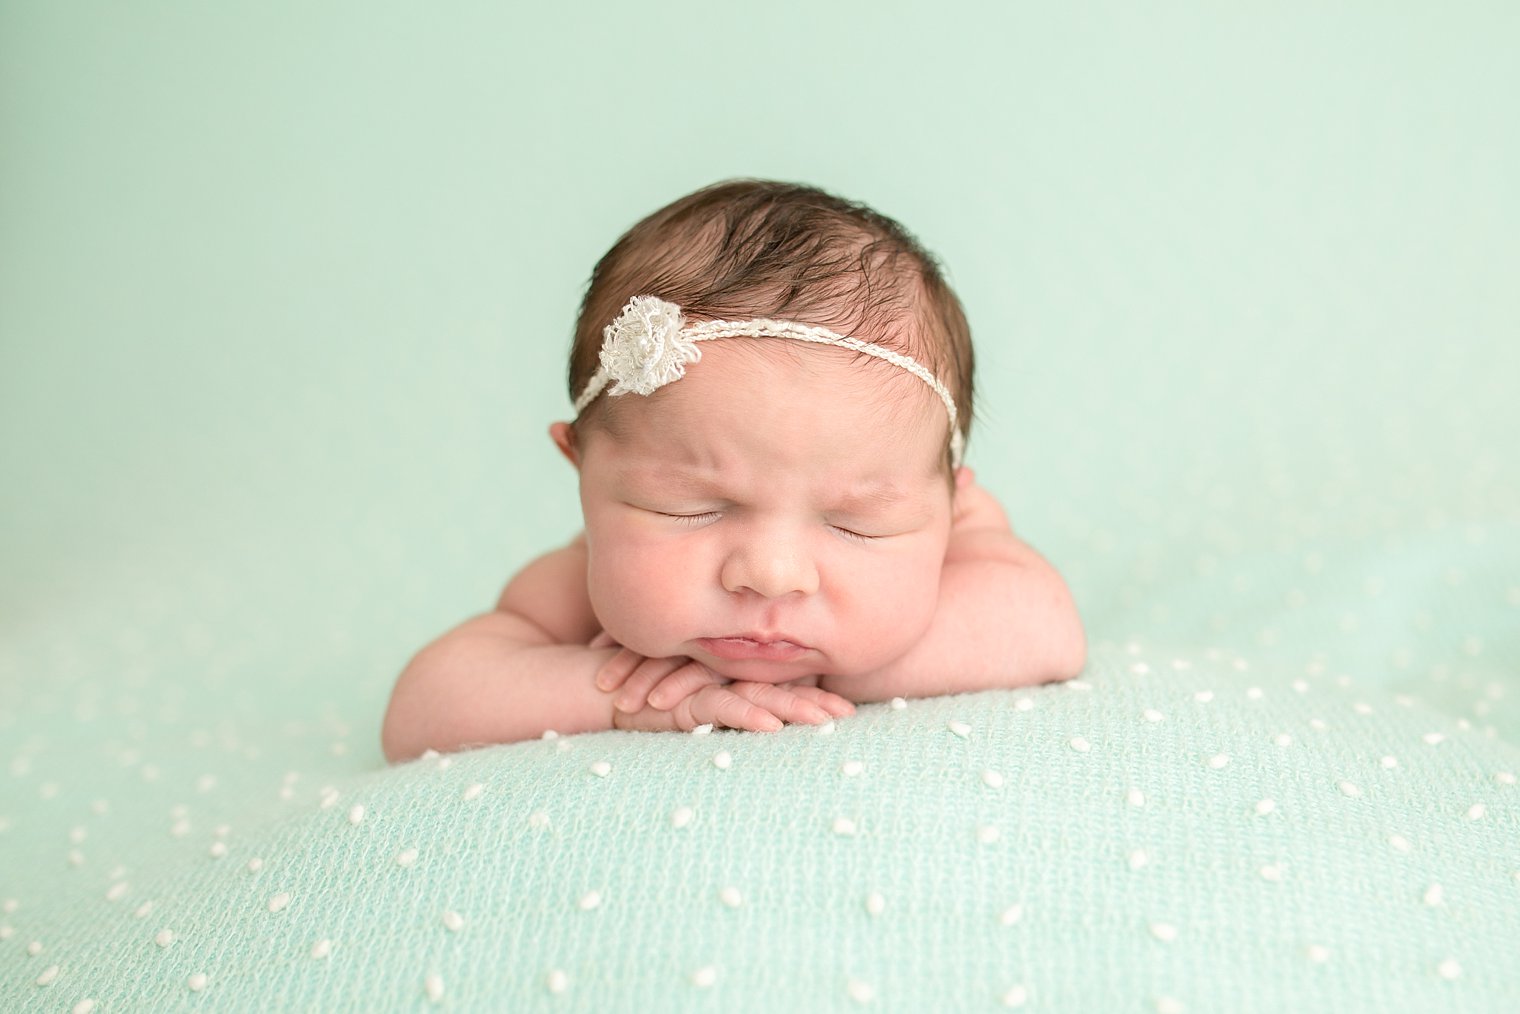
{"x": 755, "y": 674}
{"x": 760, "y": 670}
{"x": 807, "y": 663}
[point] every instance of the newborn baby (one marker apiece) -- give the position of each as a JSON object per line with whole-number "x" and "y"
{"x": 773, "y": 391}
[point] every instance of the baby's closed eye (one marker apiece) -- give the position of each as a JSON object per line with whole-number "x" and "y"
{"x": 692, "y": 520}
{"x": 853, "y": 531}
{"x": 876, "y": 525}
{"x": 881, "y": 520}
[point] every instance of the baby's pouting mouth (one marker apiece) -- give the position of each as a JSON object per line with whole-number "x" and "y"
{"x": 757, "y": 646}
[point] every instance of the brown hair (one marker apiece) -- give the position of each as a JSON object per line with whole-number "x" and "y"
{"x": 760, "y": 248}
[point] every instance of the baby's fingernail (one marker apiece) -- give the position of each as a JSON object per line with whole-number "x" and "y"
{"x": 604, "y": 682}
{"x": 624, "y": 703}
{"x": 770, "y": 724}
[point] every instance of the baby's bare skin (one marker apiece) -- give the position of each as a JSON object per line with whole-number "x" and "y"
{"x": 749, "y": 561}
{"x": 985, "y": 564}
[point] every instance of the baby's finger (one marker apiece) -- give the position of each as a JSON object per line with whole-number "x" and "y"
{"x": 783, "y": 702}
{"x": 718, "y": 705}
{"x": 835, "y": 705}
{"x": 643, "y": 679}
{"x": 617, "y": 669}
{"x": 682, "y": 683}
{"x": 602, "y": 640}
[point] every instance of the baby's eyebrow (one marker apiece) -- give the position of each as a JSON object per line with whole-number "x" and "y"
{"x": 865, "y": 499}
{"x": 871, "y": 498}
{"x": 665, "y": 477}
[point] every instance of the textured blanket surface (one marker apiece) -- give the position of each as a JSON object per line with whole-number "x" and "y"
{"x": 1177, "y": 831}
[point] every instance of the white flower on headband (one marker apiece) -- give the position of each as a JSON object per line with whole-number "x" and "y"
{"x": 644, "y": 349}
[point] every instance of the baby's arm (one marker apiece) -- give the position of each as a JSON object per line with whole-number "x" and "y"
{"x": 1005, "y": 617}
{"x": 509, "y": 674}
{"x": 526, "y": 667}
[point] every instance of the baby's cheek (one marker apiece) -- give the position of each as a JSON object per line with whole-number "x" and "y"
{"x": 639, "y": 602}
{"x": 886, "y": 624}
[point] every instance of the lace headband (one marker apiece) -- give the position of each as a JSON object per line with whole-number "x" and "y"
{"x": 649, "y": 345}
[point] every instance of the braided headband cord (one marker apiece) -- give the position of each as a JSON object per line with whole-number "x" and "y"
{"x": 649, "y": 345}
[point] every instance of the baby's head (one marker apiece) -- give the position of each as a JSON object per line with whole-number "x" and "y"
{"x": 745, "y": 249}
{"x": 773, "y": 387}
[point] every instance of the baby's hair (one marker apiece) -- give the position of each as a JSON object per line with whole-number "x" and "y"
{"x": 746, "y": 248}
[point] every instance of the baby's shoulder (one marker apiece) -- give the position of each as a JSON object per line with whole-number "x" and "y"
{"x": 551, "y": 591}
{"x": 975, "y": 507}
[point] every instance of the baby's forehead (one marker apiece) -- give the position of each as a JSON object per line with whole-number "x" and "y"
{"x": 763, "y": 373}
{"x": 831, "y": 412}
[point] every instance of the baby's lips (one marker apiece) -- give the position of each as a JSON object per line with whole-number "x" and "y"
{"x": 746, "y": 647}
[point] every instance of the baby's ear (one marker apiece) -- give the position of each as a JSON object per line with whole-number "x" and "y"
{"x": 564, "y": 438}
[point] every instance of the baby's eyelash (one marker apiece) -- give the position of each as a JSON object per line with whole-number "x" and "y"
{"x": 697, "y": 520}
{"x": 693, "y": 519}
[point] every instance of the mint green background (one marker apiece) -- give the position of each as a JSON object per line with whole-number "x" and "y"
{"x": 279, "y": 281}
{"x": 285, "y": 297}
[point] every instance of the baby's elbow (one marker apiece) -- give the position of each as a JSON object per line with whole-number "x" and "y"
{"x": 396, "y": 740}
{"x": 1066, "y": 648}
{"x": 1056, "y": 648}
{"x": 393, "y": 750}
{"x": 401, "y": 733}
{"x": 1071, "y": 655}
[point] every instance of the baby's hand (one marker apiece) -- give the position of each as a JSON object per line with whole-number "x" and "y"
{"x": 755, "y": 707}
{"x": 659, "y": 682}
{"x": 694, "y": 695}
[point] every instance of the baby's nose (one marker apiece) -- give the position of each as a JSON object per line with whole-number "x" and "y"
{"x": 770, "y": 567}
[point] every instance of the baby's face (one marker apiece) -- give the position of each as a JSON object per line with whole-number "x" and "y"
{"x": 780, "y": 511}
